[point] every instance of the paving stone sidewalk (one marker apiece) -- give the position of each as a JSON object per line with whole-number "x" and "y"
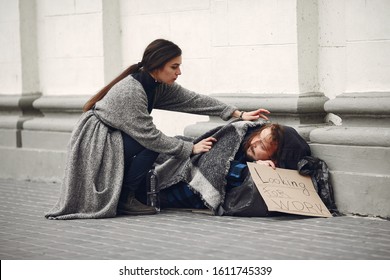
{"x": 25, "y": 234}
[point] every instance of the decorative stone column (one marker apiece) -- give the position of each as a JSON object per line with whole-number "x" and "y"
{"x": 35, "y": 127}
{"x": 14, "y": 111}
{"x": 19, "y": 81}
{"x": 303, "y": 106}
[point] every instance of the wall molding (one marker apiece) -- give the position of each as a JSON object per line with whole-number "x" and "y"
{"x": 358, "y": 152}
{"x": 304, "y": 112}
{"x": 362, "y": 108}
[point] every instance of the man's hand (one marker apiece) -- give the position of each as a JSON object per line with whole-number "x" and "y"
{"x": 266, "y": 162}
{"x": 204, "y": 145}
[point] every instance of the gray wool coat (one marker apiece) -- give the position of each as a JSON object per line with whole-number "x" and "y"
{"x": 94, "y": 170}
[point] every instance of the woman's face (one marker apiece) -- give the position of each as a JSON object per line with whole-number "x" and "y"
{"x": 170, "y": 72}
{"x": 261, "y": 147}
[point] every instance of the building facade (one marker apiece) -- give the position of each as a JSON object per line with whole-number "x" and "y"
{"x": 321, "y": 66}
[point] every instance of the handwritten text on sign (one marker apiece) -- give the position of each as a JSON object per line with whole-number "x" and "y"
{"x": 287, "y": 191}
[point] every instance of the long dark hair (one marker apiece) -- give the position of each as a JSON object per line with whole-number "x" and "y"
{"x": 155, "y": 56}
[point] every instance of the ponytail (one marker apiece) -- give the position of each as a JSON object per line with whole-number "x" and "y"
{"x": 98, "y": 96}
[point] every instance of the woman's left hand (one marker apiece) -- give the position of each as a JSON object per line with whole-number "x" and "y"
{"x": 255, "y": 115}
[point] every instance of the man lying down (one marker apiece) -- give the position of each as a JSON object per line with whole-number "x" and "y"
{"x": 211, "y": 179}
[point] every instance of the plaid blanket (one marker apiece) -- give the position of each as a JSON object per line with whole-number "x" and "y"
{"x": 206, "y": 173}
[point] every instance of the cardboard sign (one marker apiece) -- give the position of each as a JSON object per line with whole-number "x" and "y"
{"x": 287, "y": 191}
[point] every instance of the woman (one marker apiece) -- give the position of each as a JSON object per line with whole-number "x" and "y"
{"x": 115, "y": 142}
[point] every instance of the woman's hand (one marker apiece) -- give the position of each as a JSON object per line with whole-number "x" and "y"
{"x": 203, "y": 146}
{"x": 252, "y": 115}
{"x": 266, "y": 162}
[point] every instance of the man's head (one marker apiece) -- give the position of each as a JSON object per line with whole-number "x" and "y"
{"x": 263, "y": 143}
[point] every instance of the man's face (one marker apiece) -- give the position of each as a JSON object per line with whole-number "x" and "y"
{"x": 261, "y": 146}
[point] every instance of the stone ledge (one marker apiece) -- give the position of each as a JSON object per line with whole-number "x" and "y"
{"x": 364, "y": 194}
{"x": 70, "y": 104}
{"x": 20, "y": 103}
{"x": 60, "y": 113}
{"x": 306, "y": 103}
{"x": 10, "y": 137}
{"x": 15, "y": 110}
{"x": 356, "y": 136}
{"x": 350, "y": 158}
{"x": 45, "y": 140}
{"x": 302, "y": 111}
{"x": 360, "y": 177}
{"x": 32, "y": 164}
{"x": 58, "y": 122}
{"x": 357, "y": 152}
{"x": 362, "y": 109}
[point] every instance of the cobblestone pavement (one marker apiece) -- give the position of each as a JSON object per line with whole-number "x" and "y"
{"x": 25, "y": 234}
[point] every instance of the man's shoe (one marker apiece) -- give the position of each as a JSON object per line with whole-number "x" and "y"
{"x": 131, "y": 206}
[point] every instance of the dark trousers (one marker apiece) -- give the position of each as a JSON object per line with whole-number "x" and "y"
{"x": 138, "y": 161}
{"x": 180, "y": 196}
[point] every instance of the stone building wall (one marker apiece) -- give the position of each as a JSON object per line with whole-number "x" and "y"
{"x": 320, "y": 66}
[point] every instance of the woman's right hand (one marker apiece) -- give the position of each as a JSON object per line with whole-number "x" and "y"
{"x": 204, "y": 145}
